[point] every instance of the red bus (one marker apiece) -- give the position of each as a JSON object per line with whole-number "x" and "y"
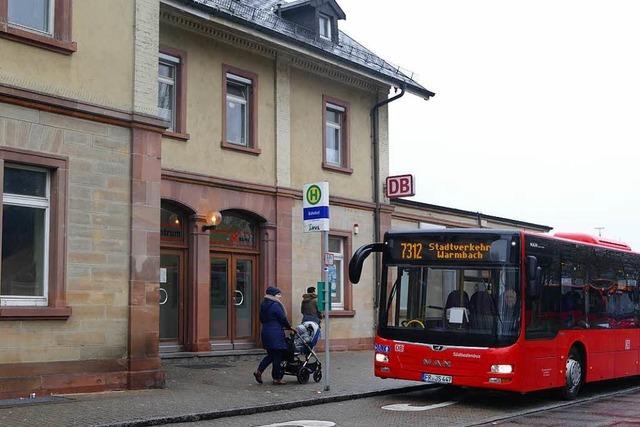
{"x": 505, "y": 310}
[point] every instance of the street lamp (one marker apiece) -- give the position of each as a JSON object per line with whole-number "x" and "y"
{"x": 599, "y": 230}
{"x": 213, "y": 219}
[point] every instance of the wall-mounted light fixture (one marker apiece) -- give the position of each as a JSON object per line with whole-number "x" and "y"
{"x": 213, "y": 219}
{"x": 356, "y": 229}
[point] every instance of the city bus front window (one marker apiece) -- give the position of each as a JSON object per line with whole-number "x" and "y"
{"x": 454, "y": 300}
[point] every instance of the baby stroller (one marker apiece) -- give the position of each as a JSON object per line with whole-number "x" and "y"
{"x": 301, "y": 361}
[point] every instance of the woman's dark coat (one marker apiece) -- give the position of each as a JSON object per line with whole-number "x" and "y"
{"x": 273, "y": 319}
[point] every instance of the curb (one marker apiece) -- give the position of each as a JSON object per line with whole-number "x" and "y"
{"x": 202, "y": 416}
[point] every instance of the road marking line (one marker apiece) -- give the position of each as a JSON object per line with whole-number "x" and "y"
{"x": 303, "y": 423}
{"x": 408, "y": 407}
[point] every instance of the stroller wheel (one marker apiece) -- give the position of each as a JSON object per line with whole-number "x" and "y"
{"x": 317, "y": 375}
{"x": 303, "y": 376}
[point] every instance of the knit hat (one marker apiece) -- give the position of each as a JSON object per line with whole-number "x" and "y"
{"x": 273, "y": 291}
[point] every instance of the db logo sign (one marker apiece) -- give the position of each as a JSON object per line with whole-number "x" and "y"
{"x": 400, "y": 186}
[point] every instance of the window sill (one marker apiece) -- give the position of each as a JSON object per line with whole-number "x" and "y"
{"x": 339, "y": 169}
{"x": 177, "y": 135}
{"x": 342, "y": 313}
{"x": 236, "y": 147}
{"x": 37, "y": 40}
{"x": 35, "y": 313}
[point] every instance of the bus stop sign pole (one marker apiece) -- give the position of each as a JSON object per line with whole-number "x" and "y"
{"x": 327, "y": 305}
{"x": 315, "y": 215}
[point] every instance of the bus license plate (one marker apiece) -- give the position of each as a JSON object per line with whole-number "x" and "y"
{"x": 438, "y": 379}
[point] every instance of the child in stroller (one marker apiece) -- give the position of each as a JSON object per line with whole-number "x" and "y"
{"x": 301, "y": 361}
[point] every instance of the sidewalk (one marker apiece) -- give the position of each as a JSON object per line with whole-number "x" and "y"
{"x": 206, "y": 388}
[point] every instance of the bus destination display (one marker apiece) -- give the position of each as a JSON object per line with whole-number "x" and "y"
{"x": 470, "y": 249}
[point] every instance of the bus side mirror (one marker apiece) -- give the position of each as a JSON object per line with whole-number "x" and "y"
{"x": 534, "y": 276}
{"x": 355, "y": 265}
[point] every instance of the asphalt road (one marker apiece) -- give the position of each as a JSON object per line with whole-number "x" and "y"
{"x": 602, "y": 404}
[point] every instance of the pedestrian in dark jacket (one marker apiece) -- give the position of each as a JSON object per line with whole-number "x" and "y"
{"x": 273, "y": 317}
{"x": 309, "y": 306}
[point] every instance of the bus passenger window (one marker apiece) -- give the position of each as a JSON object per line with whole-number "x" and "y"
{"x": 573, "y": 298}
{"x": 544, "y": 313}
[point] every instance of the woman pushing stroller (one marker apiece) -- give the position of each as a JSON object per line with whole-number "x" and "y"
{"x": 295, "y": 355}
{"x": 273, "y": 317}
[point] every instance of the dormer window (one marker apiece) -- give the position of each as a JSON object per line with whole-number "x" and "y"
{"x": 325, "y": 27}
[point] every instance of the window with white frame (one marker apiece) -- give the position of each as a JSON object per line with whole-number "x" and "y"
{"x": 25, "y": 236}
{"x": 334, "y": 134}
{"x": 324, "y": 23}
{"x": 336, "y": 247}
{"x": 32, "y": 15}
{"x": 167, "y": 89}
{"x": 238, "y": 110}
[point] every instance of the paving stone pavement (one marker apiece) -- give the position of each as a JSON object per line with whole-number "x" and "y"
{"x": 202, "y": 386}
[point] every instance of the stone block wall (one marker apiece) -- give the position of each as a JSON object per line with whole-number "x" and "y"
{"x": 98, "y": 242}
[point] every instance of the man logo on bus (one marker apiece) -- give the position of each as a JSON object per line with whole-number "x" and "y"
{"x": 436, "y": 362}
{"x": 314, "y": 194}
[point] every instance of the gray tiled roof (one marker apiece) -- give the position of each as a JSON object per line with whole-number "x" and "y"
{"x": 260, "y": 14}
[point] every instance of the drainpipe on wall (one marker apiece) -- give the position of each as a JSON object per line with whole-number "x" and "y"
{"x": 376, "y": 186}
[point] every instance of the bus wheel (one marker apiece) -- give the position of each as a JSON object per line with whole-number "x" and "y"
{"x": 573, "y": 375}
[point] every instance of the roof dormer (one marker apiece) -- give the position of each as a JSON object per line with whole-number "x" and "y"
{"x": 320, "y": 16}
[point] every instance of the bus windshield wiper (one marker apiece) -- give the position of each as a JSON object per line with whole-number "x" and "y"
{"x": 392, "y": 293}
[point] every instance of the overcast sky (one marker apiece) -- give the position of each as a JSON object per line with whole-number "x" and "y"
{"x": 536, "y": 116}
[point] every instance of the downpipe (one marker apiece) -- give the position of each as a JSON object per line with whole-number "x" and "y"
{"x": 376, "y": 190}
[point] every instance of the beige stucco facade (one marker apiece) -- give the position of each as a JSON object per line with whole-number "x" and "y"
{"x": 308, "y": 266}
{"x": 203, "y": 153}
{"x": 290, "y": 139}
{"x": 100, "y": 72}
{"x": 307, "y": 129}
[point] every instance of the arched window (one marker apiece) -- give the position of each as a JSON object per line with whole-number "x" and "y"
{"x": 172, "y": 225}
{"x": 236, "y": 231}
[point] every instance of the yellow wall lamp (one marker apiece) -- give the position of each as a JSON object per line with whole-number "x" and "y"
{"x": 213, "y": 219}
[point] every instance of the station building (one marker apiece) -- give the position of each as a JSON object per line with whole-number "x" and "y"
{"x": 153, "y": 154}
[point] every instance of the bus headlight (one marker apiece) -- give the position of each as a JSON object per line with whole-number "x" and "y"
{"x": 501, "y": 369}
{"x": 382, "y": 358}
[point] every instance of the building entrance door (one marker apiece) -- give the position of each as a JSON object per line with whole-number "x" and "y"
{"x": 171, "y": 297}
{"x": 233, "y": 288}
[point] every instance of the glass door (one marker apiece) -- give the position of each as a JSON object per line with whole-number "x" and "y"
{"x": 232, "y": 301}
{"x": 219, "y": 307}
{"x": 243, "y": 288}
{"x": 171, "y": 290}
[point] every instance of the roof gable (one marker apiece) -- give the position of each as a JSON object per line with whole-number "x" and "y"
{"x": 316, "y": 4}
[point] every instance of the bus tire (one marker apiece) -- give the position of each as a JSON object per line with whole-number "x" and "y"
{"x": 574, "y": 375}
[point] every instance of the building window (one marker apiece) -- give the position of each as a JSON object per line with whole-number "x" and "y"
{"x": 336, "y": 135}
{"x": 172, "y": 105}
{"x": 238, "y": 92}
{"x": 324, "y": 23}
{"x": 34, "y": 15}
{"x": 32, "y": 268}
{"x": 167, "y": 91}
{"x": 335, "y": 117}
{"x": 239, "y": 129}
{"x": 25, "y": 236}
{"x": 42, "y": 23}
{"x": 235, "y": 231}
